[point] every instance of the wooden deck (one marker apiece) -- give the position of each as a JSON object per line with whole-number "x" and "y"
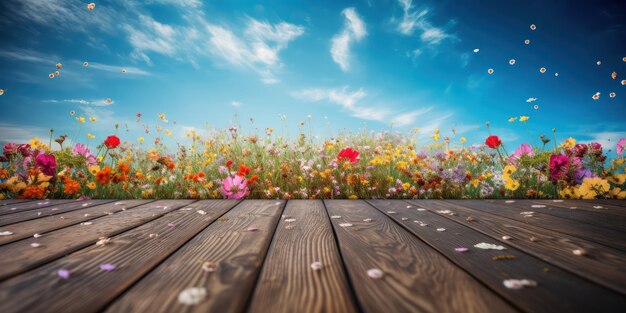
{"x": 262, "y": 251}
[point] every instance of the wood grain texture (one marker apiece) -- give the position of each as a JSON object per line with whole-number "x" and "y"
{"x": 599, "y": 219}
{"x": 12, "y": 201}
{"x": 134, "y": 253}
{"x": 49, "y": 223}
{"x": 602, "y": 265}
{"x": 287, "y": 283}
{"x": 61, "y": 208}
{"x": 604, "y": 236}
{"x": 417, "y": 278}
{"x": 30, "y": 205}
{"x": 237, "y": 252}
{"x": 64, "y": 241}
{"x": 554, "y": 284}
{"x": 608, "y": 207}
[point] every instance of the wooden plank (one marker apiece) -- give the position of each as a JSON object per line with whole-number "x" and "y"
{"x": 604, "y": 236}
{"x": 134, "y": 253}
{"x": 554, "y": 284}
{"x": 597, "y": 218}
{"x": 46, "y": 224}
{"x": 64, "y": 241}
{"x": 602, "y": 265}
{"x": 12, "y": 201}
{"x": 600, "y": 207}
{"x": 237, "y": 252}
{"x": 48, "y": 211}
{"x": 287, "y": 283}
{"x": 416, "y": 277}
{"x": 31, "y": 205}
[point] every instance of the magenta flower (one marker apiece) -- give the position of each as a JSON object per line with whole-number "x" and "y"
{"x": 559, "y": 166}
{"x": 235, "y": 187}
{"x": 47, "y": 163}
{"x": 524, "y": 149}
{"x": 80, "y": 149}
{"x": 619, "y": 148}
{"x": 10, "y": 148}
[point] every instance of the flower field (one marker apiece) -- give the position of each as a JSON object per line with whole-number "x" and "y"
{"x": 231, "y": 164}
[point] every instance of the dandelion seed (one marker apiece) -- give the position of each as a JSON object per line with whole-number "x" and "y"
{"x": 623, "y": 82}
{"x": 527, "y": 41}
{"x": 375, "y": 273}
{"x": 486, "y": 246}
{"x": 63, "y": 274}
{"x": 345, "y": 224}
{"x": 624, "y": 59}
{"x": 192, "y": 296}
{"x": 59, "y": 66}
{"x": 108, "y": 267}
{"x": 533, "y": 27}
{"x": 598, "y": 63}
{"x": 614, "y": 75}
{"x": 57, "y": 73}
{"x": 542, "y": 70}
{"x": 123, "y": 71}
{"x": 512, "y": 61}
{"x": 490, "y": 71}
{"x": 476, "y": 51}
{"x": 596, "y": 96}
{"x": 209, "y": 267}
{"x": 556, "y": 74}
{"x": 108, "y": 101}
{"x": 316, "y": 266}
{"x": 1, "y": 92}
{"x": 91, "y": 6}
{"x": 536, "y": 107}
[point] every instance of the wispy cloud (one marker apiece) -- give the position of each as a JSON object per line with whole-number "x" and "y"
{"x": 180, "y": 3}
{"x": 99, "y": 103}
{"x": 235, "y": 104}
{"x": 118, "y": 69}
{"x": 354, "y": 30}
{"x": 346, "y": 99}
{"x": 417, "y": 19}
{"x": 409, "y": 118}
{"x": 20, "y": 133}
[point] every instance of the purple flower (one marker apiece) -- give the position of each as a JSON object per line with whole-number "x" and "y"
{"x": 107, "y": 267}
{"x": 619, "y": 148}
{"x": 581, "y": 174}
{"x": 46, "y": 163}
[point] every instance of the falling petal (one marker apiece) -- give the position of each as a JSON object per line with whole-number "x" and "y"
{"x": 375, "y": 273}
{"x": 476, "y": 51}
{"x": 519, "y": 283}
{"x": 192, "y": 296}
{"x": 252, "y": 229}
{"x": 441, "y": 229}
{"x": 290, "y": 220}
{"x": 486, "y": 246}
{"x": 209, "y": 267}
{"x": 579, "y": 252}
{"x": 461, "y": 249}
{"x": 598, "y": 62}
{"x": 107, "y": 267}
{"x": 335, "y": 216}
{"x": 63, "y": 274}
{"x": 35, "y": 245}
{"x": 316, "y": 266}
{"x": 6, "y": 233}
{"x": 506, "y": 237}
{"x": 345, "y": 224}
{"x": 201, "y": 212}
{"x": 91, "y": 6}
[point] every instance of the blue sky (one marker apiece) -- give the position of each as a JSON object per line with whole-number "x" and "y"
{"x": 347, "y": 64}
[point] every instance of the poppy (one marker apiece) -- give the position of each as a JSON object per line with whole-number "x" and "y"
{"x": 349, "y": 154}
{"x": 112, "y": 142}
{"x": 493, "y": 142}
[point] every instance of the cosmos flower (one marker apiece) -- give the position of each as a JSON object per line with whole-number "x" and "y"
{"x": 523, "y": 150}
{"x": 235, "y": 187}
{"x": 493, "y": 142}
{"x": 46, "y": 163}
{"x": 559, "y": 166}
{"x": 619, "y": 148}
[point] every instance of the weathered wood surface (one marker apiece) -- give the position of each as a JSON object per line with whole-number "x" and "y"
{"x": 262, "y": 251}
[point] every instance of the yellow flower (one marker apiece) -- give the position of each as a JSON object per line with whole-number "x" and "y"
{"x": 523, "y": 118}
{"x": 91, "y": 185}
{"x": 511, "y": 184}
{"x": 512, "y": 119}
{"x": 140, "y": 139}
{"x": 353, "y": 197}
{"x": 617, "y": 193}
{"x": 592, "y": 187}
{"x": 80, "y": 119}
{"x": 92, "y": 119}
{"x": 570, "y": 193}
{"x": 508, "y": 171}
{"x": 569, "y": 143}
{"x": 463, "y": 139}
{"x": 94, "y": 169}
{"x": 416, "y": 130}
{"x": 91, "y": 136}
{"x": 618, "y": 179}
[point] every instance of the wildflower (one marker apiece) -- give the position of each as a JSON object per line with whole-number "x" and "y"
{"x": 523, "y": 118}
{"x": 112, "y": 142}
{"x": 619, "y": 148}
{"x": 91, "y": 185}
{"x": 592, "y": 187}
{"x": 349, "y": 154}
{"x": 91, "y": 6}
{"x": 80, "y": 119}
{"x": 512, "y": 119}
{"x": 524, "y": 149}
{"x": 104, "y": 176}
{"x": 235, "y": 187}
{"x": 46, "y": 163}
{"x": 90, "y": 136}
{"x": 463, "y": 140}
{"x": 542, "y": 70}
{"x": 493, "y": 142}
{"x": 559, "y": 166}
{"x": 140, "y": 139}
{"x": 70, "y": 186}
{"x": 512, "y": 184}
{"x": 569, "y": 143}
{"x": 490, "y": 71}
{"x": 93, "y": 119}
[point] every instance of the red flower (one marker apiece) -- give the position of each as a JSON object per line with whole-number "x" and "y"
{"x": 112, "y": 142}
{"x": 229, "y": 163}
{"x": 243, "y": 170}
{"x": 493, "y": 142}
{"x": 349, "y": 154}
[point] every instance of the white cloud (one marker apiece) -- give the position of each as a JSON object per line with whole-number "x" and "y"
{"x": 409, "y": 118}
{"x": 413, "y": 19}
{"x": 180, "y": 3}
{"x": 348, "y": 100}
{"x": 118, "y": 69}
{"x": 608, "y": 139}
{"x": 354, "y": 31}
{"x": 99, "y": 103}
{"x": 20, "y": 133}
{"x": 235, "y": 104}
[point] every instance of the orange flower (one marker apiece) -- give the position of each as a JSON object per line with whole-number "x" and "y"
{"x": 4, "y": 173}
{"x": 104, "y": 175}
{"x": 34, "y": 192}
{"x": 243, "y": 170}
{"x": 124, "y": 168}
{"x": 70, "y": 186}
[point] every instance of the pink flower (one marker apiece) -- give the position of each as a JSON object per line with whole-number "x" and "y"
{"x": 559, "y": 166}
{"x": 235, "y": 187}
{"x": 619, "y": 148}
{"x": 80, "y": 149}
{"x": 10, "y": 148}
{"x": 524, "y": 149}
{"x": 47, "y": 163}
